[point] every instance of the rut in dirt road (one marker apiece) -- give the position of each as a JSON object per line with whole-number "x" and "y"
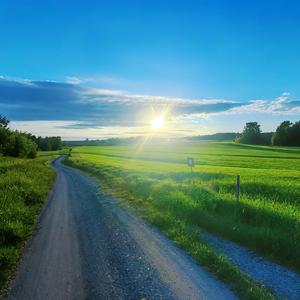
{"x": 88, "y": 246}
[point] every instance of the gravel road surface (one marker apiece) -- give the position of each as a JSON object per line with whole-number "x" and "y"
{"x": 284, "y": 282}
{"x": 88, "y": 246}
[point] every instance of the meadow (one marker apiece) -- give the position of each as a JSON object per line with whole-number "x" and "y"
{"x": 24, "y": 185}
{"x": 156, "y": 180}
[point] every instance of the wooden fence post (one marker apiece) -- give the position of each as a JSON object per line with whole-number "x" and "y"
{"x": 237, "y": 192}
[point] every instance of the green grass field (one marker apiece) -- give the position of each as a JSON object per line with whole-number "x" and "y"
{"x": 24, "y": 184}
{"x": 157, "y": 181}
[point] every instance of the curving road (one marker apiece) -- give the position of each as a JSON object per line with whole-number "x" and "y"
{"x": 88, "y": 246}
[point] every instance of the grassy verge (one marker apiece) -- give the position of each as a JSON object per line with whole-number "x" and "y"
{"x": 268, "y": 217}
{"x": 24, "y": 184}
{"x": 163, "y": 203}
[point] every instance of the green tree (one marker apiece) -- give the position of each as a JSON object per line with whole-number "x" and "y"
{"x": 294, "y": 135}
{"x": 3, "y": 122}
{"x": 251, "y": 134}
{"x": 282, "y": 137}
{"x": 15, "y": 143}
{"x": 49, "y": 143}
{"x": 4, "y": 138}
{"x": 19, "y": 145}
{"x": 4, "y": 133}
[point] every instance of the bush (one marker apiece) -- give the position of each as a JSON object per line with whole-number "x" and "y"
{"x": 16, "y": 144}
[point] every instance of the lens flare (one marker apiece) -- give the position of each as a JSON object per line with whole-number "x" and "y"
{"x": 157, "y": 122}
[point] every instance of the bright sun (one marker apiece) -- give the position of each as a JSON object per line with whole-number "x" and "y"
{"x": 157, "y": 122}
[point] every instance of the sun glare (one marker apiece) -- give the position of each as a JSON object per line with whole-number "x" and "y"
{"x": 157, "y": 122}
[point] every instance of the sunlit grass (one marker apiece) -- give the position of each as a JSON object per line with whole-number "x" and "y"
{"x": 158, "y": 183}
{"x": 268, "y": 215}
{"x": 24, "y": 184}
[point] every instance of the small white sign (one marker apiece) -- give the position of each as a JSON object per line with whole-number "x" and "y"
{"x": 190, "y": 162}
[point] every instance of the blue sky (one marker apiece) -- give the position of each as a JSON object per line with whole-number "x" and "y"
{"x": 96, "y": 68}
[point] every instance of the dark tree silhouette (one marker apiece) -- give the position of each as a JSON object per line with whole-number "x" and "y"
{"x": 282, "y": 135}
{"x": 49, "y": 143}
{"x": 287, "y": 134}
{"x": 251, "y": 134}
{"x": 21, "y": 144}
{"x": 15, "y": 143}
{"x": 3, "y": 122}
{"x": 295, "y": 134}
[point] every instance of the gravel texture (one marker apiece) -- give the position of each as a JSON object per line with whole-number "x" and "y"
{"x": 284, "y": 282}
{"x": 88, "y": 246}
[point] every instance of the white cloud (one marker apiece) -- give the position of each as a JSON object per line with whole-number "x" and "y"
{"x": 96, "y": 112}
{"x": 281, "y": 105}
{"x": 64, "y": 129}
{"x": 73, "y": 80}
{"x": 102, "y": 95}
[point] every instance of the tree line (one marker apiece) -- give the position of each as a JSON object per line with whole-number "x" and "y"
{"x": 106, "y": 142}
{"x": 20, "y": 144}
{"x": 48, "y": 143}
{"x": 286, "y": 134}
{"x": 220, "y": 136}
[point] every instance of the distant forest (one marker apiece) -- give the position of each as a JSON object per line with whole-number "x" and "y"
{"x": 21, "y": 144}
{"x": 286, "y": 134}
{"x": 48, "y": 143}
{"x": 265, "y": 137}
{"x": 222, "y": 136}
{"x": 107, "y": 142}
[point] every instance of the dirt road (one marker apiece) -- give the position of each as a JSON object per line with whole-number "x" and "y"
{"x": 88, "y": 246}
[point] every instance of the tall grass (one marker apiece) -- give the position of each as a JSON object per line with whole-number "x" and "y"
{"x": 268, "y": 216}
{"x": 145, "y": 195}
{"x": 24, "y": 184}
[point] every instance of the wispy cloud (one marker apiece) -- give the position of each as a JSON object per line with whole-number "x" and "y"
{"x": 96, "y": 80}
{"x": 75, "y": 107}
{"x": 48, "y": 100}
{"x": 282, "y": 105}
{"x": 73, "y": 80}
